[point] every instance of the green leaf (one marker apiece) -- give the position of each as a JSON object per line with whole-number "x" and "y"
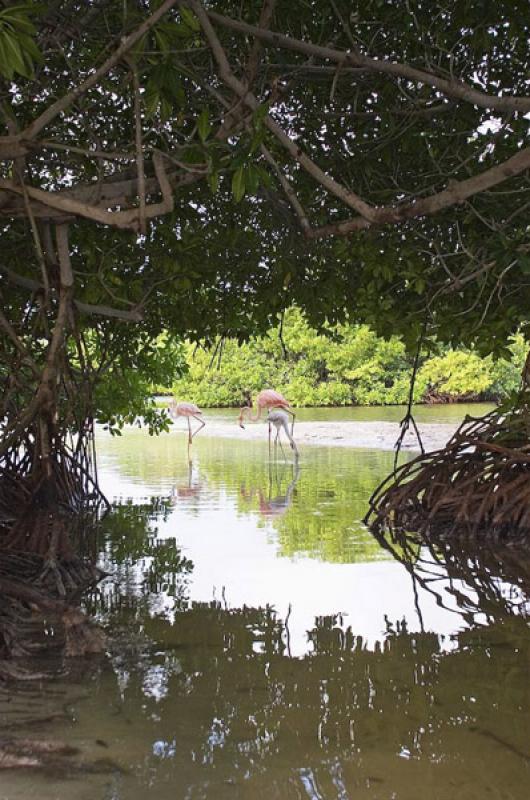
{"x": 190, "y": 19}
{"x": 162, "y": 41}
{"x": 14, "y": 56}
{"x": 265, "y": 178}
{"x": 151, "y": 98}
{"x": 183, "y": 283}
{"x": 213, "y": 181}
{"x": 259, "y": 115}
{"x": 256, "y": 140}
{"x": 192, "y": 155}
{"x": 238, "y": 184}
{"x": 6, "y": 68}
{"x": 203, "y": 124}
{"x": 252, "y": 179}
{"x": 166, "y": 109}
{"x": 30, "y": 48}
{"x": 524, "y": 264}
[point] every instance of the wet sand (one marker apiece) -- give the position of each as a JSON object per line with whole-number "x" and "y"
{"x": 373, "y": 435}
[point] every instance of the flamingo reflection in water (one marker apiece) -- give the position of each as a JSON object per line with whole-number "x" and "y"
{"x": 274, "y": 502}
{"x": 186, "y": 490}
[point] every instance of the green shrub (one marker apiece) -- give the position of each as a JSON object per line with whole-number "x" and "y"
{"x": 350, "y": 365}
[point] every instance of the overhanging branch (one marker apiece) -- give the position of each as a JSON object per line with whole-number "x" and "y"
{"x": 64, "y": 102}
{"x": 452, "y": 88}
{"x": 348, "y": 197}
{"x": 134, "y": 315}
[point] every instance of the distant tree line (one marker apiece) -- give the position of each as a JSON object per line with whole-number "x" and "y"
{"x": 346, "y": 365}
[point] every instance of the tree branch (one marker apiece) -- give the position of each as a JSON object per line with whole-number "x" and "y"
{"x": 4, "y": 323}
{"x": 455, "y": 194}
{"x": 140, "y": 174}
{"x": 289, "y": 191}
{"x": 227, "y": 76}
{"x": 50, "y": 144}
{"x": 63, "y": 252}
{"x": 68, "y": 205}
{"x": 253, "y": 61}
{"x": 63, "y": 102}
{"x": 134, "y": 315}
{"x": 452, "y": 88}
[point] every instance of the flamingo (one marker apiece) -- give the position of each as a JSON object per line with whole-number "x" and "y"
{"x": 188, "y": 410}
{"x": 278, "y": 417}
{"x": 268, "y": 399}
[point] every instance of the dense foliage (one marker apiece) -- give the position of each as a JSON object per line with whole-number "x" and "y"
{"x": 189, "y": 169}
{"x": 228, "y": 250}
{"x": 349, "y": 365}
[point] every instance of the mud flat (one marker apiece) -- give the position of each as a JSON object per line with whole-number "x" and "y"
{"x": 373, "y": 435}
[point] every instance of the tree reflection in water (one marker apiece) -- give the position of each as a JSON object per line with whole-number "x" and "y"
{"x": 481, "y": 582}
{"x": 222, "y": 710}
{"x": 201, "y": 700}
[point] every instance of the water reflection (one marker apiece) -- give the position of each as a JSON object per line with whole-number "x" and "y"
{"x": 212, "y": 706}
{"x": 324, "y": 517}
{"x": 275, "y": 499}
{"x": 481, "y": 584}
{"x": 141, "y": 562}
{"x": 190, "y": 487}
{"x": 263, "y": 644}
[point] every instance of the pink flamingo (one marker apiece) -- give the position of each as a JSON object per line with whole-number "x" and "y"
{"x": 188, "y": 410}
{"x": 268, "y": 399}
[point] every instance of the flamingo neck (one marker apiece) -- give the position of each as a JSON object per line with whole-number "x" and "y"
{"x": 248, "y": 410}
{"x": 289, "y": 436}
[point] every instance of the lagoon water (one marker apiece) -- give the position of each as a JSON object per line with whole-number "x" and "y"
{"x": 262, "y": 643}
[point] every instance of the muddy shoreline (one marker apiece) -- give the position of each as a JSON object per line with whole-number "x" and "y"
{"x": 372, "y": 435}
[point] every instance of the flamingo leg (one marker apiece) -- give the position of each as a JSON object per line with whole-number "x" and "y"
{"x": 189, "y": 432}
{"x": 201, "y": 426}
{"x": 270, "y": 440}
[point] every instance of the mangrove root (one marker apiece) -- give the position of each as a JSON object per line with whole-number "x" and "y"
{"x": 478, "y": 484}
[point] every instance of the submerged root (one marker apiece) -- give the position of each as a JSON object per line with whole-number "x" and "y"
{"x": 51, "y": 756}
{"x": 478, "y": 484}
{"x": 41, "y": 582}
{"x": 49, "y": 498}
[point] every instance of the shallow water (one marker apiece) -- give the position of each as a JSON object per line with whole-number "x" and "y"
{"x": 263, "y": 644}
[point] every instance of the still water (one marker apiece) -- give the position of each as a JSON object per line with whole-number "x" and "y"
{"x": 450, "y": 413}
{"x": 263, "y": 644}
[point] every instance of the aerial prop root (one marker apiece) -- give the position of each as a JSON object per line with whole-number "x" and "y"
{"x": 47, "y": 510}
{"x": 64, "y": 479}
{"x": 478, "y": 484}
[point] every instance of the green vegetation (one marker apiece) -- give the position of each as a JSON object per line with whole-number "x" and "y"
{"x": 162, "y": 174}
{"x": 122, "y": 393}
{"x": 350, "y": 365}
